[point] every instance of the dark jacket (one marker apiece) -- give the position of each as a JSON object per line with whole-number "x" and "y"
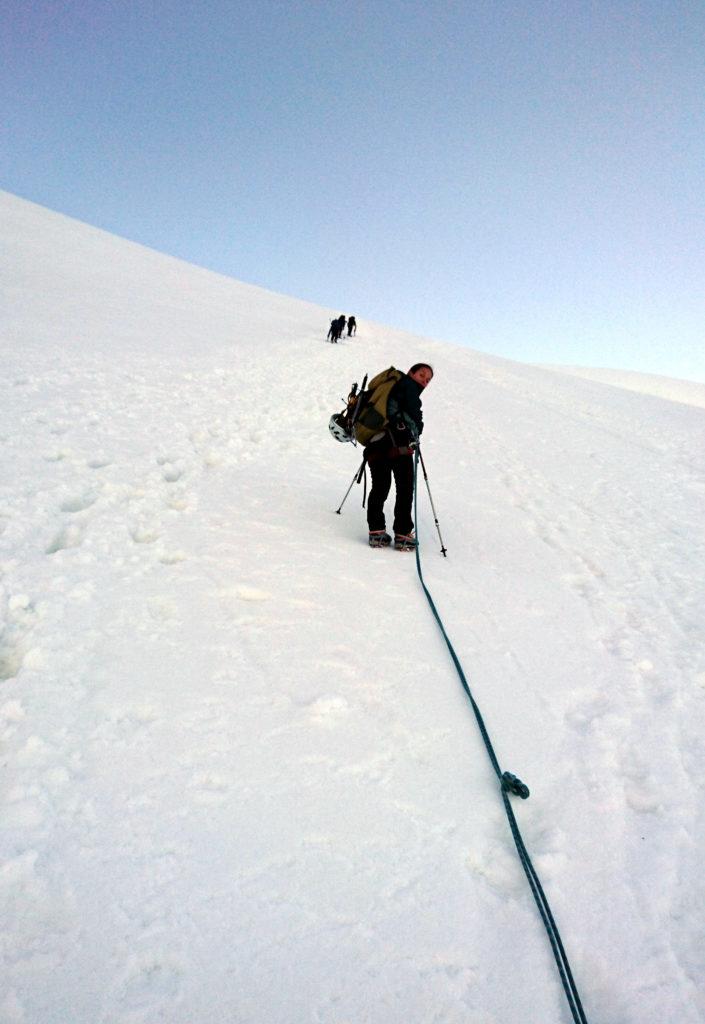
{"x": 404, "y": 407}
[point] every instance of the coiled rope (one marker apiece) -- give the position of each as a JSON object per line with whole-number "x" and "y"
{"x": 509, "y": 784}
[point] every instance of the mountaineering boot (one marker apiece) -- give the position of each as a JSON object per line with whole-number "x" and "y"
{"x": 379, "y": 539}
{"x": 405, "y": 541}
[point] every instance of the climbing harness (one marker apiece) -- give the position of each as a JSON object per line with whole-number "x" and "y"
{"x": 361, "y": 475}
{"x": 508, "y": 784}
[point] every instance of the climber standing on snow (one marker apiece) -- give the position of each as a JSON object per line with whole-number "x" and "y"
{"x": 392, "y": 455}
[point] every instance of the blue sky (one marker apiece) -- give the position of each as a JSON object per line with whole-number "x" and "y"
{"x": 526, "y": 178}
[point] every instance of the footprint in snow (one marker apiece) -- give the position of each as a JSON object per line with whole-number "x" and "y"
{"x": 70, "y": 536}
{"x": 172, "y": 557}
{"x": 587, "y": 709}
{"x": 497, "y": 866}
{"x": 148, "y": 981}
{"x": 336, "y": 666}
{"x": 15, "y": 650}
{"x": 328, "y": 708}
{"x": 252, "y": 594}
{"x": 11, "y": 714}
{"x": 640, "y": 789}
{"x": 163, "y": 609}
{"x": 172, "y": 473}
{"x": 78, "y": 502}
{"x": 642, "y": 798}
{"x": 213, "y": 459}
{"x": 12, "y": 654}
{"x": 172, "y": 469}
{"x": 144, "y": 534}
{"x": 209, "y": 788}
{"x": 177, "y": 502}
{"x": 12, "y": 1011}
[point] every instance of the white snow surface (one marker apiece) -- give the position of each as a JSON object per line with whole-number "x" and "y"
{"x": 240, "y": 779}
{"x": 688, "y": 392}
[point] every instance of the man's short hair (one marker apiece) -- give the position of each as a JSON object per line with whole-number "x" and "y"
{"x": 419, "y": 366}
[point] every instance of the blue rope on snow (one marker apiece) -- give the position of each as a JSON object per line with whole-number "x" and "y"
{"x": 509, "y": 784}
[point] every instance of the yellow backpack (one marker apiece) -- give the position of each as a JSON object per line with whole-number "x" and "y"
{"x": 372, "y": 415}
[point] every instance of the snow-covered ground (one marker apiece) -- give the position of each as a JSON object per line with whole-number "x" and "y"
{"x": 240, "y": 780}
{"x": 686, "y": 391}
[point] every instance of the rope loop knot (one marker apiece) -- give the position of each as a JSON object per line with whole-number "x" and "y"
{"x": 511, "y": 784}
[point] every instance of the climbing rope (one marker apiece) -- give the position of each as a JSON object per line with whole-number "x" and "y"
{"x": 509, "y": 784}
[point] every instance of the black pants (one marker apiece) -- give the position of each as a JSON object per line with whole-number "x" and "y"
{"x": 382, "y": 468}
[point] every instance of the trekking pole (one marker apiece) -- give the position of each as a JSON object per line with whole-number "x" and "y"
{"x": 356, "y": 479}
{"x": 435, "y": 517}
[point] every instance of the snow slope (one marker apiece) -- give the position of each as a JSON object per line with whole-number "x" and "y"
{"x": 686, "y": 391}
{"x": 240, "y": 781}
